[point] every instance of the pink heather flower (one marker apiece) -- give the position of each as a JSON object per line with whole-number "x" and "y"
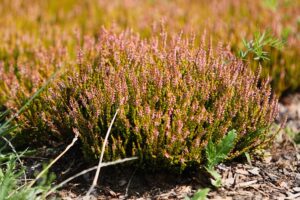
{"x": 155, "y": 133}
{"x": 179, "y": 126}
{"x": 147, "y": 110}
{"x": 167, "y": 155}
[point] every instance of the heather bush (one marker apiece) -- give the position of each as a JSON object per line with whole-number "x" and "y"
{"x": 173, "y": 97}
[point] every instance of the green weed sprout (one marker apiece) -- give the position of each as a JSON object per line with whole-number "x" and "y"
{"x": 257, "y": 46}
{"x": 218, "y": 152}
{"x": 215, "y": 153}
{"x": 201, "y": 194}
{"x": 10, "y": 183}
{"x": 10, "y": 174}
{"x": 271, "y": 4}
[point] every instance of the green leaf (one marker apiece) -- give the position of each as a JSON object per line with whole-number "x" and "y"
{"x": 259, "y": 43}
{"x": 216, "y": 153}
{"x": 211, "y": 154}
{"x": 226, "y": 144}
{"x": 247, "y": 155}
{"x": 201, "y": 194}
{"x": 217, "y": 178}
{"x": 270, "y": 4}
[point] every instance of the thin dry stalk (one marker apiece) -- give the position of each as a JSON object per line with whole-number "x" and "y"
{"x": 129, "y": 182}
{"x": 17, "y": 155}
{"x": 101, "y": 156}
{"x": 54, "y": 161}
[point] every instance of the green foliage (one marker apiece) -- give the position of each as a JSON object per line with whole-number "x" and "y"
{"x": 8, "y": 179}
{"x": 248, "y": 157}
{"x": 217, "y": 152}
{"x": 292, "y": 134}
{"x": 6, "y": 127}
{"x": 270, "y": 4}
{"x": 11, "y": 187}
{"x": 216, "y": 177}
{"x": 201, "y": 194}
{"x": 257, "y": 46}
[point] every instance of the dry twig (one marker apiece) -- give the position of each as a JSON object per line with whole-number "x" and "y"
{"x": 101, "y": 156}
{"x": 54, "y": 161}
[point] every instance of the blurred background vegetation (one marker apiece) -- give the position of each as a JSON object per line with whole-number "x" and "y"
{"x": 31, "y": 30}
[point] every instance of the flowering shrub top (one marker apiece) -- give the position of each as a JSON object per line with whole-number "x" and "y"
{"x": 228, "y": 21}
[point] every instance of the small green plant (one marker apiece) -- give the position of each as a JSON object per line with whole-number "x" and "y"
{"x": 218, "y": 152}
{"x": 270, "y": 4}
{"x": 294, "y": 135}
{"x": 11, "y": 186}
{"x": 257, "y": 46}
{"x": 201, "y": 194}
{"x": 215, "y": 153}
{"x": 248, "y": 158}
{"x": 216, "y": 179}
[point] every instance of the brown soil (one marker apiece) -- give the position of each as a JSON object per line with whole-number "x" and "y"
{"x": 276, "y": 176}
